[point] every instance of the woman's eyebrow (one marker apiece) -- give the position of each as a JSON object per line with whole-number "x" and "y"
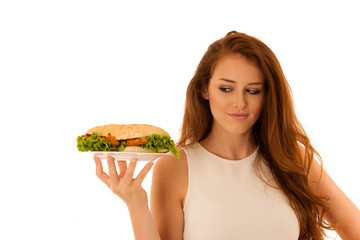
{"x": 226, "y": 80}
{"x": 232, "y": 81}
{"x": 256, "y": 83}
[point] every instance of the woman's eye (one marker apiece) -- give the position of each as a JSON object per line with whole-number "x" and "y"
{"x": 225, "y": 89}
{"x": 251, "y": 91}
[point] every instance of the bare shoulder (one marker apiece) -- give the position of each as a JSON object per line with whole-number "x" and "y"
{"x": 168, "y": 191}
{"x": 171, "y": 174}
{"x": 171, "y": 163}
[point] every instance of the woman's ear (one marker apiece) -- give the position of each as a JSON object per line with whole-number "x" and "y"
{"x": 205, "y": 93}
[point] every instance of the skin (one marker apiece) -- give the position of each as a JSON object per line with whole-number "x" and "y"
{"x": 237, "y": 86}
{"x": 130, "y": 191}
{"x": 170, "y": 175}
{"x": 343, "y": 211}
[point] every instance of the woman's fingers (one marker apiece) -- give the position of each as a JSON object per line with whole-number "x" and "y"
{"x": 123, "y": 184}
{"x": 126, "y": 172}
{"x": 100, "y": 172}
{"x": 144, "y": 172}
{"x": 122, "y": 168}
{"x": 114, "y": 177}
{"x": 130, "y": 170}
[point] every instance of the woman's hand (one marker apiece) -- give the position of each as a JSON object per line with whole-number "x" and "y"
{"x": 129, "y": 189}
{"x": 123, "y": 183}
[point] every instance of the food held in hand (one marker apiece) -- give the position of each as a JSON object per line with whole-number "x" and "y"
{"x": 127, "y": 138}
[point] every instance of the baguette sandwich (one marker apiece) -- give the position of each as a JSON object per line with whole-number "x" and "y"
{"x": 127, "y": 138}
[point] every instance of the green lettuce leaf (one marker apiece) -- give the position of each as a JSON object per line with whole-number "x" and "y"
{"x": 95, "y": 143}
{"x": 157, "y": 142}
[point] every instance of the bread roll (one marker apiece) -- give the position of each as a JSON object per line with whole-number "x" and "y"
{"x": 127, "y": 131}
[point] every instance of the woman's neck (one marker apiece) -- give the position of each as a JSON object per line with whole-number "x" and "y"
{"x": 228, "y": 145}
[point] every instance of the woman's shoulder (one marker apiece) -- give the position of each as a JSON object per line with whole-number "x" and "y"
{"x": 168, "y": 193}
{"x": 170, "y": 165}
{"x": 170, "y": 175}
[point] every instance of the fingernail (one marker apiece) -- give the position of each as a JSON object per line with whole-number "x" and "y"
{"x": 133, "y": 160}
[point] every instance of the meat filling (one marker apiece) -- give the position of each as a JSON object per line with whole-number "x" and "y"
{"x": 114, "y": 142}
{"x": 136, "y": 141}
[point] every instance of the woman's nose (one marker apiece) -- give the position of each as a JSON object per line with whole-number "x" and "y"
{"x": 240, "y": 101}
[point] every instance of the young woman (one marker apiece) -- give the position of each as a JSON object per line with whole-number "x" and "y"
{"x": 246, "y": 170}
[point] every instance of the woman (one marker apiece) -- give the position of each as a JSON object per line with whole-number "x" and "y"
{"x": 246, "y": 170}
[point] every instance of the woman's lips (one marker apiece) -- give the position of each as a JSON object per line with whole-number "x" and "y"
{"x": 238, "y": 116}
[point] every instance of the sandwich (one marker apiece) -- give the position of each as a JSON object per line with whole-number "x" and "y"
{"x": 142, "y": 138}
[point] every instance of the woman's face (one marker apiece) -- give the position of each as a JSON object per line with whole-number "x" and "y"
{"x": 235, "y": 93}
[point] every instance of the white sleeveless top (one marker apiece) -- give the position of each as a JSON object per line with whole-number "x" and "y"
{"x": 227, "y": 200}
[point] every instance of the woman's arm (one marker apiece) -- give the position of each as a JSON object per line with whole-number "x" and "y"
{"x": 168, "y": 190}
{"x": 343, "y": 212}
{"x": 130, "y": 191}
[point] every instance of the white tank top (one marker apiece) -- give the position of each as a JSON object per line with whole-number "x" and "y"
{"x": 227, "y": 200}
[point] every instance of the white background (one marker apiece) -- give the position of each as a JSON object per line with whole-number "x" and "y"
{"x": 66, "y": 66}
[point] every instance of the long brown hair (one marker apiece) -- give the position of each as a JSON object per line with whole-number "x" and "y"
{"x": 278, "y": 133}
